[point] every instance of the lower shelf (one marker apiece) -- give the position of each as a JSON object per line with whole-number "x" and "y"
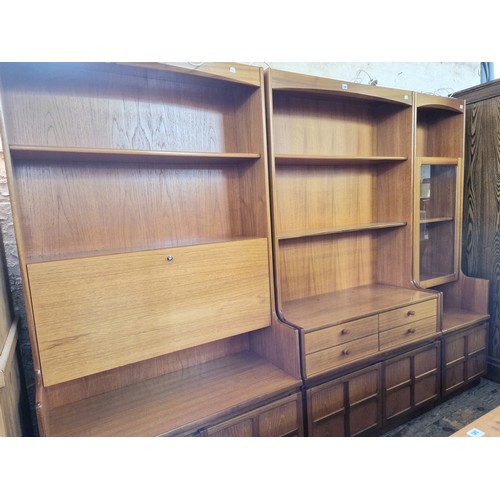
{"x": 159, "y": 406}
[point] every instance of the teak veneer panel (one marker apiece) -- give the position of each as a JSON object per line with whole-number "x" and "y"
{"x": 90, "y": 313}
{"x": 70, "y": 209}
{"x": 185, "y": 399}
{"x": 79, "y": 105}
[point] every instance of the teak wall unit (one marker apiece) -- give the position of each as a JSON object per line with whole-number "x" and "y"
{"x": 175, "y": 285}
{"x": 341, "y": 159}
{"x": 141, "y": 209}
{"x": 439, "y": 152}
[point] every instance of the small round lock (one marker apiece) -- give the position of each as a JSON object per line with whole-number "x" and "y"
{"x": 170, "y": 258}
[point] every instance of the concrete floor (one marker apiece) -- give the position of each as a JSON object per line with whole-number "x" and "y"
{"x": 453, "y": 414}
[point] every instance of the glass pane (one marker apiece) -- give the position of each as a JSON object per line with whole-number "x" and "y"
{"x": 437, "y": 220}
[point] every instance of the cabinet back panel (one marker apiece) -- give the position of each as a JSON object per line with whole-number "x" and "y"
{"x": 98, "y": 313}
{"x": 439, "y": 133}
{"x": 314, "y": 266}
{"x": 70, "y": 209}
{"x": 72, "y": 105}
{"x": 325, "y": 126}
{"x": 322, "y": 197}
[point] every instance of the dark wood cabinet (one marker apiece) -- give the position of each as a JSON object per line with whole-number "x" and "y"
{"x": 411, "y": 381}
{"x": 347, "y": 406}
{"x": 481, "y": 221}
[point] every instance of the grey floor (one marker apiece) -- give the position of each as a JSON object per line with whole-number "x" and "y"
{"x": 453, "y": 414}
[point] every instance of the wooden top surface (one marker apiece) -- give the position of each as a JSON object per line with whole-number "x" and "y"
{"x": 480, "y": 92}
{"x": 486, "y": 426}
{"x": 321, "y": 311}
{"x": 454, "y": 319}
{"x": 290, "y": 81}
{"x": 162, "y": 404}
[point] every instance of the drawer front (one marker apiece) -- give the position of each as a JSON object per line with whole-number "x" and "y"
{"x": 408, "y": 314}
{"x": 327, "y": 359}
{"x": 340, "y": 334}
{"x": 98, "y": 313}
{"x": 407, "y": 333}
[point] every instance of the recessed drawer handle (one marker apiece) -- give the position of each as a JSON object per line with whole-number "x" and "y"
{"x": 346, "y": 352}
{"x": 411, "y": 313}
{"x": 411, "y": 330}
{"x": 345, "y": 331}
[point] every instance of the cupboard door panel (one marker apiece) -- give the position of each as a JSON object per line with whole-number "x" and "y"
{"x": 95, "y": 314}
{"x": 281, "y": 418}
{"x": 398, "y": 402}
{"x": 346, "y": 406}
{"x": 363, "y": 417}
{"x": 279, "y": 421}
{"x": 330, "y": 426}
{"x": 239, "y": 429}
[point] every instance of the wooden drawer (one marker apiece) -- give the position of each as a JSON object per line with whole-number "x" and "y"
{"x": 340, "y": 334}
{"x": 327, "y": 359}
{"x": 98, "y": 313}
{"x": 407, "y": 333}
{"x": 408, "y": 314}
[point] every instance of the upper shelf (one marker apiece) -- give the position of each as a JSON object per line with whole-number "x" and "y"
{"x": 314, "y": 160}
{"x": 132, "y": 155}
{"x": 371, "y": 226}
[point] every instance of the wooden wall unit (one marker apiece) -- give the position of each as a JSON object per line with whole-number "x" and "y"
{"x": 481, "y": 230}
{"x": 341, "y": 158}
{"x": 141, "y": 211}
{"x": 177, "y": 286}
{"x": 439, "y": 151}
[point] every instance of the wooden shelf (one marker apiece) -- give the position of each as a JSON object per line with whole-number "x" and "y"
{"x": 321, "y": 311}
{"x": 161, "y": 405}
{"x": 318, "y": 160}
{"x": 434, "y": 220}
{"x": 40, "y": 153}
{"x": 372, "y": 226}
{"x": 455, "y": 319}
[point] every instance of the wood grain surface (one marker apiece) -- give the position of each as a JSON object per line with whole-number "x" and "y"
{"x": 98, "y": 313}
{"x": 481, "y": 222}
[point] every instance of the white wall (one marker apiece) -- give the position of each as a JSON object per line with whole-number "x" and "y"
{"x": 439, "y": 78}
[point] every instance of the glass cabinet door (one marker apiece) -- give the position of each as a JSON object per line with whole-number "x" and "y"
{"x": 437, "y": 219}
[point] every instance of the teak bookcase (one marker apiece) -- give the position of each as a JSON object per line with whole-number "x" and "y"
{"x": 142, "y": 216}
